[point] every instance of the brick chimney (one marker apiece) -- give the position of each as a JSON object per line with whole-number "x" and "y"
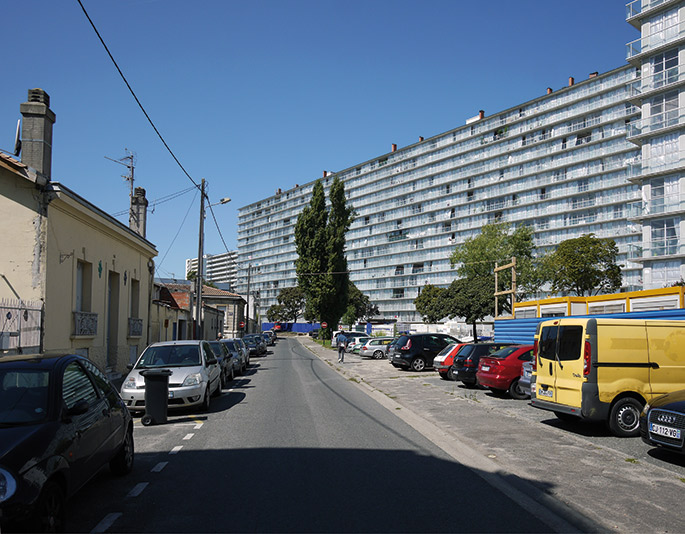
{"x": 571, "y": 81}
{"x": 137, "y": 217}
{"x": 394, "y": 147}
{"x": 549, "y": 90}
{"x": 481, "y": 114}
{"x": 36, "y": 132}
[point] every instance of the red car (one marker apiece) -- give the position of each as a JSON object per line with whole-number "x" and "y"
{"x": 501, "y": 370}
{"x": 444, "y": 360}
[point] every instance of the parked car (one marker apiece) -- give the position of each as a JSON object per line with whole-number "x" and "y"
{"x": 391, "y": 348}
{"x": 662, "y": 421}
{"x": 442, "y": 363}
{"x": 240, "y": 354}
{"x": 268, "y": 339}
{"x": 195, "y": 378}
{"x": 466, "y": 361}
{"x": 527, "y": 380}
{"x": 417, "y": 351}
{"x": 356, "y": 344}
{"x": 61, "y": 420}
{"x": 375, "y": 347}
{"x": 225, "y": 359}
{"x": 255, "y": 343}
{"x": 501, "y": 370}
{"x": 314, "y": 333}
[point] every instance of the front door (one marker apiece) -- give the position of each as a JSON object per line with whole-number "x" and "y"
{"x": 560, "y": 364}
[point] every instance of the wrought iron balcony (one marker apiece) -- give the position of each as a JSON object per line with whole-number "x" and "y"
{"x": 135, "y": 327}
{"x": 85, "y": 323}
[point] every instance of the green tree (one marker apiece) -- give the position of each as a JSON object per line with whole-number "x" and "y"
{"x": 585, "y": 266}
{"x": 431, "y": 303}
{"x": 472, "y": 299}
{"x": 359, "y": 306}
{"x": 290, "y": 305}
{"x": 321, "y": 265}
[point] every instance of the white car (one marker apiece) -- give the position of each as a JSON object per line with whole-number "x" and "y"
{"x": 195, "y": 374}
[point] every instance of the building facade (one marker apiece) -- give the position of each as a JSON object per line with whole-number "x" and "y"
{"x": 218, "y": 268}
{"x": 599, "y": 156}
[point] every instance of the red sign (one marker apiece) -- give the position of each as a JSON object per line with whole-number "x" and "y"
{"x": 277, "y": 327}
{"x": 241, "y": 324}
{"x": 324, "y": 325}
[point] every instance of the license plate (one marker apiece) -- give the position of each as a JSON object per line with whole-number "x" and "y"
{"x": 545, "y": 393}
{"x": 666, "y": 431}
{"x": 485, "y": 368}
{"x": 527, "y": 374}
{"x": 171, "y": 394}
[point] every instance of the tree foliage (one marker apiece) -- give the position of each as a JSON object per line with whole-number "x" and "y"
{"x": 321, "y": 264}
{"x": 359, "y": 306}
{"x": 290, "y": 305}
{"x": 431, "y": 303}
{"x": 585, "y": 266}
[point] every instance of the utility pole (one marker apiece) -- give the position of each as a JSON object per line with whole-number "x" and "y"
{"x": 130, "y": 156}
{"x": 198, "y": 278}
{"x": 247, "y": 318}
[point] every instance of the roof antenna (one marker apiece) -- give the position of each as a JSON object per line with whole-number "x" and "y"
{"x": 17, "y": 140}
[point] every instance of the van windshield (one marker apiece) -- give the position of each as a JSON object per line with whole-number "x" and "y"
{"x": 561, "y": 342}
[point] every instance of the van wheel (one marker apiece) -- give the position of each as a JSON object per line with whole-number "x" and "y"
{"x": 624, "y": 419}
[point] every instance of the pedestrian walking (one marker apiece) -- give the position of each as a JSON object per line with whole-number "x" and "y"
{"x": 342, "y": 344}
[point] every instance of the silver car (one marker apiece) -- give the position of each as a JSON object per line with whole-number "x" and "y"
{"x": 527, "y": 380}
{"x": 195, "y": 374}
{"x": 240, "y": 352}
{"x": 376, "y": 347}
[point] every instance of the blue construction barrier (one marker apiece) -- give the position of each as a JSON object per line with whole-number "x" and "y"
{"x": 303, "y": 328}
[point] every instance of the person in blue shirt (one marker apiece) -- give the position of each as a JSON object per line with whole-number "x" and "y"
{"x": 342, "y": 344}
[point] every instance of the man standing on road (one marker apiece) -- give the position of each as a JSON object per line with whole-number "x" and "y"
{"x": 342, "y": 343}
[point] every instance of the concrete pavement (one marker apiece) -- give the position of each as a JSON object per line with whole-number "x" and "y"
{"x": 561, "y": 477}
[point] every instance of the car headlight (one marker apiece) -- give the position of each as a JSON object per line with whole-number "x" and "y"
{"x": 129, "y": 383}
{"x": 193, "y": 380}
{"x": 645, "y": 409}
{"x": 7, "y": 485}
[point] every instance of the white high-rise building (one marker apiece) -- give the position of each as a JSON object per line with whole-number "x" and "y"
{"x": 600, "y": 156}
{"x": 218, "y": 268}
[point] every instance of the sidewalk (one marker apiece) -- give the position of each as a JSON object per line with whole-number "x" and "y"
{"x": 592, "y": 488}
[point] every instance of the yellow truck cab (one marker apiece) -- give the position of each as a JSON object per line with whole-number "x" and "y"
{"x": 607, "y": 369}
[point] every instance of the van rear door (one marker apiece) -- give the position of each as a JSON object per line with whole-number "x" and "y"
{"x": 560, "y": 363}
{"x": 666, "y": 340}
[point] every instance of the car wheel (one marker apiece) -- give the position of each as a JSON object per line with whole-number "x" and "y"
{"x": 222, "y": 380}
{"x": 418, "y": 364}
{"x": 378, "y": 354}
{"x": 497, "y": 392}
{"x": 206, "y": 401}
{"x": 624, "y": 419}
{"x": 51, "y": 512}
{"x": 450, "y": 375}
{"x": 231, "y": 374}
{"x": 516, "y": 392}
{"x": 122, "y": 463}
{"x": 469, "y": 384}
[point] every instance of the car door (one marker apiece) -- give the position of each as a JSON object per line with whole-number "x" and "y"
{"x": 560, "y": 365}
{"x": 87, "y": 417}
{"x": 432, "y": 345}
{"x": 212, "y": 367}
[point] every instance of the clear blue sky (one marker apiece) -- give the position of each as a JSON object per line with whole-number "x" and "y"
{"x": 257, "y": 95}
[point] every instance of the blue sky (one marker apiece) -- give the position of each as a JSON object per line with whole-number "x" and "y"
{"x": 260, "y": 95}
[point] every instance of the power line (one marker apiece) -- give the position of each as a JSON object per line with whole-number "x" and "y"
{"x": 157, "y": 267}
{"x": 160, "y": 200}
{"x": 135, "y": 97}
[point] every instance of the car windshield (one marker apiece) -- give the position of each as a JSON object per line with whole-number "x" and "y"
{"x": 217, "y": 348}
{"x": 169, "y": 356}
{"x": 23, "y": 396}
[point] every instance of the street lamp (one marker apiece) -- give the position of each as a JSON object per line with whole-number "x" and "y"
{"x": 198, "y": 281}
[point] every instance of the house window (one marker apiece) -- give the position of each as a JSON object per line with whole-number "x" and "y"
{"x": 398, "y": 293}
{"x": 84, "y": 283}
{"x": 543, "y": 193}
{"x": 135, "y": 299}
{"x": 583, "y": 138}
{"x": 399, "y": 270}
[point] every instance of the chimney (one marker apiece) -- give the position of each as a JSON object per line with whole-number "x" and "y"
{"x": 549, "y": 90}
{"x": 394, "y": 147}
{"x": 594, "y": 74}
{"x": 137, "y": 217}
{"x": 36, "y": 132}
{"x": 481, "y": 114}
{"x": 571, "y": 81}
{"x": 420, "y": 138}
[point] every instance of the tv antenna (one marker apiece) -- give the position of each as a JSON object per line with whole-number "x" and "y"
{"x": 130, "y": 157}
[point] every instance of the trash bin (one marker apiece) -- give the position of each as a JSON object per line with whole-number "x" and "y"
{"x": 156, "y": 396}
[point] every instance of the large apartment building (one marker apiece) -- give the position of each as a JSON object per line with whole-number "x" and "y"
{"x": 600, "y": 155}
{"x": 218, "y": 268}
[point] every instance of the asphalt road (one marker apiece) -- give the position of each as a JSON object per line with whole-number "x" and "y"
{"x": 296, "y": 446}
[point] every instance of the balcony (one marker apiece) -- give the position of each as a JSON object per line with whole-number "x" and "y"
{"x": 654, "y": 41}
{"x": 640, "y": 168}
{"x": 659, "y": 81}
{"x": 661, "y": 122}
{"x": 85, "y": 324}
{"x": 135, "y": 327}
{"x": 642, "y": 7}
{"x": 657, "y": 248}
{"x": 656, "y": 207}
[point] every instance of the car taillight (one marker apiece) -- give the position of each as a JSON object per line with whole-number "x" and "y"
{"x": 468, "y": 363}
{"x": 587, "y": 356}
{"x": 407, "y": 346}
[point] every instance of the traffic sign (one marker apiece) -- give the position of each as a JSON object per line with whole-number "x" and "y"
{"x": 241, "y": 324}
{"x": 324, "y": 325}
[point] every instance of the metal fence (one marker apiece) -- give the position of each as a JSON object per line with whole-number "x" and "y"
{"x": 20, "y": 326}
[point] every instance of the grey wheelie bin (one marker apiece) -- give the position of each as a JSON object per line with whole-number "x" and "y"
{"x": 156, "y": 396}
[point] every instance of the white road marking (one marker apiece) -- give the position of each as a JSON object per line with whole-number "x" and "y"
{"x": 198, "y": 426}
{"x": 107, "y": 522}
{"x": 176, "y": 449}
{"x": 159, "y": 467}
{"x": 187, "y": 437}
{"x": 137, "y": 489}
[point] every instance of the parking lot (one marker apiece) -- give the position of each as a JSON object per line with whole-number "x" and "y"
{"x": 580, "y": 464}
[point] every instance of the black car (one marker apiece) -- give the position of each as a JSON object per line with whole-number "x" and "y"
{"x": 662, "y": 422}
{"x": 417, "y": 351}
{"x": 256, "y": 344}
{"x": 466, "y": 360}
{"x": 60, "y": 421}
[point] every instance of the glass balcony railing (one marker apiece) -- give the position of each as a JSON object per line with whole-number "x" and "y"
{"x": 639, "y": 167}
{"x": 654, "y": 123}
{"x": 636, "y": 7}
{"x": 655, "y": 40}
{"x": 655, "y": 248}
{"x": 658, "y": 80}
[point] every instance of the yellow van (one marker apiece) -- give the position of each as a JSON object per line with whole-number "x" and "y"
{"x": 607, "y": 369}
